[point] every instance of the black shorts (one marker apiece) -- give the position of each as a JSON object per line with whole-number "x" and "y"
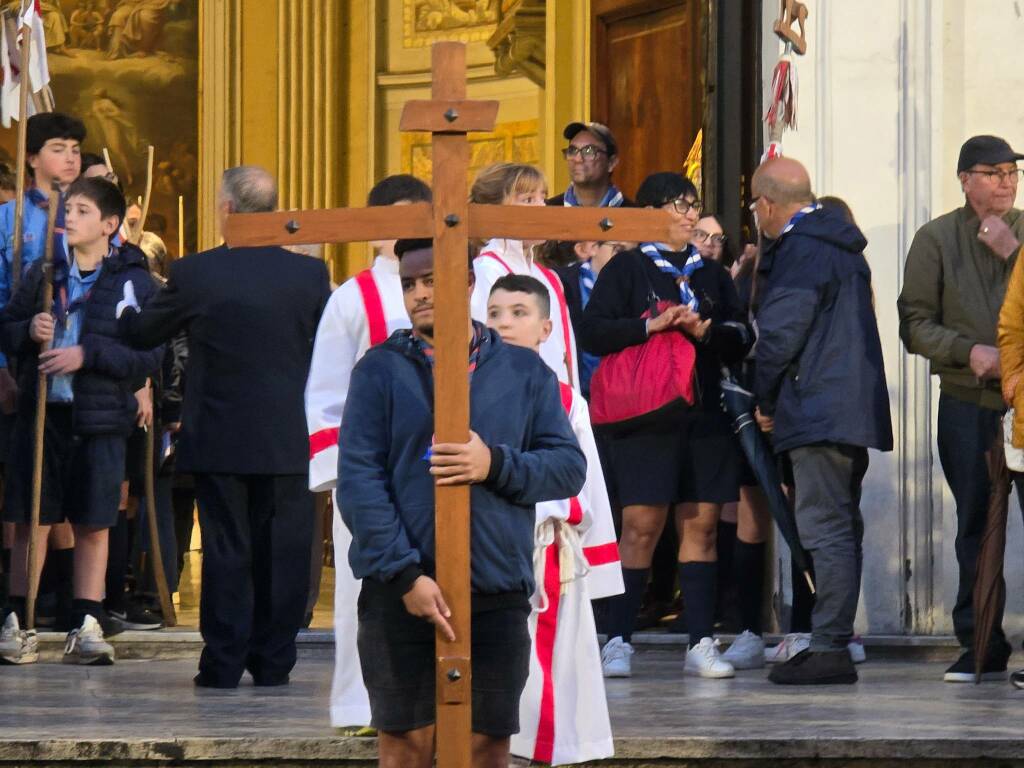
{"x": 82, "y": 475}
{"x": 396, "y": 652}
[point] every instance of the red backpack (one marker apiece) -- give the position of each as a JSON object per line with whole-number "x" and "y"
{"x": 643, "y": 385}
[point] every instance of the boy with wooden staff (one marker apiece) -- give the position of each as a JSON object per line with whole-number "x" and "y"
{"x": 90, "y": 410}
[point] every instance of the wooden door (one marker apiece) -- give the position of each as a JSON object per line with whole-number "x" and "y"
{"x": 647, "y": 71}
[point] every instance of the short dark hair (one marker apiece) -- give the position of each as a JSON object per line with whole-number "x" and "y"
{"x": 394, "y": 189}
{"x": 525, "y": 284}
{"x": 7, "y": 179}
{"x": 662, "y": 187}
{"x": 403, "y": 247}
{"x": 51, "y": 125}
{"x": 105, "y": 194}
{"x": 89, "y": 159}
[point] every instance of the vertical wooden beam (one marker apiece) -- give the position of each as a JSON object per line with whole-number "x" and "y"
{"x": 451, "y": 421}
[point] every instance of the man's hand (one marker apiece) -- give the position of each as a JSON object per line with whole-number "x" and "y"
{"x": 40, "y": 330}
{"x": 667, "y": 320}
{"x": 65, "y": 360}
{"x": 766, "y": 423}
{"x": 995, "y": 233}
{"x": 690, "y": 322}
{"x": 426, "y": 601}
{"x": 8, "y": 392}
{"x": 460, "y": 463}
{"x": 144, "y": 413}
{"x": 984, "y": 362}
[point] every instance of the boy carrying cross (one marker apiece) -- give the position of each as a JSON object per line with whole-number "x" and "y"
{"x": 90, "y": 410}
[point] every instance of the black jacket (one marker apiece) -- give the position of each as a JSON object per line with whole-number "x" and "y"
{"x": 250, "y": 315}
{"x": 570, "y": 277}
{"x": 819, "y": 367}
{"x": 104, "y": 400}
{"x": 386, "y": 492}
{"x": 623, "y": 292}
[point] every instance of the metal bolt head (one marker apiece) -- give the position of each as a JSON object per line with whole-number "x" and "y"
{"x": 292, "y": 226}
{"x": 451, "y": 115}
{"x": 454, "y": 676}
{"x": 451, "y": 220}
{"x": 606, "y": 224}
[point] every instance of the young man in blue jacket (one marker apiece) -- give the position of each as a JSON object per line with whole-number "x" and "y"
{"x": 821, "y": 392}
{"x": 90, "y": 410}
{"x": 521, "y": 451}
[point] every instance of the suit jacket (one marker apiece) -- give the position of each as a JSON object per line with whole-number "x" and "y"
{"x": 251, "y": 316}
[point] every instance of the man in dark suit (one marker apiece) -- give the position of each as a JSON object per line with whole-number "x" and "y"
{"x": 251, "y": 315}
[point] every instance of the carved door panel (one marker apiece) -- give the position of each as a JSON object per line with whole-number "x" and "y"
{"x": 647, "y": 71}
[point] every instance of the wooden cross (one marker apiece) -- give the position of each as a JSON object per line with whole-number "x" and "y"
{"x": 450, "y": 221}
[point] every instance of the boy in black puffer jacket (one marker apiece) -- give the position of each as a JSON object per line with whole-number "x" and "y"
{"x": 90, "y": 408}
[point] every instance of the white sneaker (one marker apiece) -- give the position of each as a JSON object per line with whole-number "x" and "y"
{"x": 615, "y": 658}
{"x": 790, "y": 646}
{"x": 746, "y": 652}
{"x": 704, "y": 660}
{"x": 17, "y": 645}
{"x": 86, "y": 645}
{"x": 856, "y": 648}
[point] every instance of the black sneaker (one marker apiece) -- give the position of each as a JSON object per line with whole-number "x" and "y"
{"x": 962, "y": 670}
{"x": 138, "y": 617}
{"x": 110, "y": 624}
{"x": 1017, "y": 679}
{"x": 815, "y": 668}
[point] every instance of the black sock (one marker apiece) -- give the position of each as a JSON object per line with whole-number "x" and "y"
{"x": 16, "y": 605}
{"x": 803, "y": 601}
{"x": 80, "y": 608}
{"x": 749, "y": 575}
{"x": 622, "y": 609}
{"x": 697, "y": 582}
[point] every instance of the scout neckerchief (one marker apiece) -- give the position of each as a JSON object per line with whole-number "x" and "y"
{"x": 427, "y": 349}
{"x": 799, "y": 215}
{"x": 62, "y": 309}
{"x": 587, "y": 280}
{"x": 653, "y": 251}
{"x": 612, "y": 198}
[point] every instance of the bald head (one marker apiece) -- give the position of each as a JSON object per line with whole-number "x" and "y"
{"x": 248, "y": 189}
{"x": 781, "y": 187}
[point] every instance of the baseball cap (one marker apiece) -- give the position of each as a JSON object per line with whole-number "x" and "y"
{"x": 990, "y": 150}
{"x": 598, "y": 129}
{"x": 658, "y": 188}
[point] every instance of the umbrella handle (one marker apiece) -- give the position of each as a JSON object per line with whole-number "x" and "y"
{"x": 810, "y": 582}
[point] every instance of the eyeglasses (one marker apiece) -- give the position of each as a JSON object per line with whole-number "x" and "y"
{"x": 700, "y": 236}
{"x": 1000, "y": 176}
{"x": 682, "y": 205}
{"x": 587, "y": 152}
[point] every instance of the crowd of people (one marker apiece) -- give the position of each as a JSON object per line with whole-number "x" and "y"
{"x": 272, "y": 388}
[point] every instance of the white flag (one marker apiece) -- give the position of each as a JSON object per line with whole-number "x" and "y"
{"x": 10, "y": 62}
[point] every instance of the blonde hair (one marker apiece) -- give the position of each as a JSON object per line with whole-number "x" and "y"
{"x": 497, "y": 183}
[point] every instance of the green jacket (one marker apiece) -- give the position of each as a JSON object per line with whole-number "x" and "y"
{"x": 953, "y": 288}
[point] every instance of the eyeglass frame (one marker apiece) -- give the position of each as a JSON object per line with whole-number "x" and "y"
{"x": 699, "y": 235}
{"x": 574, "y": 150}
{"x": 697, "y": 204}
{"x": 1014, "y": 175}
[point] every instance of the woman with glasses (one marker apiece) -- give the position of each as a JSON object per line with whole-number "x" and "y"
{"x": 687, "y": 464}
{"x": 709, "y": 239}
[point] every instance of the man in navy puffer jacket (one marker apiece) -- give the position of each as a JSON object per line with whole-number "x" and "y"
{"x": 521, "y": 451}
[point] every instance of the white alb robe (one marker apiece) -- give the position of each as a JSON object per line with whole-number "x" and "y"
{"x": 342, "y": 338}
{"x": 502, "y": 257}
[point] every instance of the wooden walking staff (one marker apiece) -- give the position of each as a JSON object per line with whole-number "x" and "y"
{"x": 156, "y": 559}
{"x": 21, "y": 156}
{"x": 37, "y": 444}
{"x": 450, "y": 222}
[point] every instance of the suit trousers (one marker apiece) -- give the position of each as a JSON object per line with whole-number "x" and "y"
{"x": 257, "y": 536}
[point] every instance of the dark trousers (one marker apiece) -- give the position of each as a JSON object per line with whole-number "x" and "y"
{"x": 257, "y": 535}
{"x": 966, "y": 433}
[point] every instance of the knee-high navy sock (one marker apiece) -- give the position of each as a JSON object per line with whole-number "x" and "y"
{"x": 698, "y": 583}
{"x": 622, "y": 609}
{"x": 749, "y": 574}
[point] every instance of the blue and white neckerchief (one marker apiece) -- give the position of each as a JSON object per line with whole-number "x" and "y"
{"x": 682, "y": 276}
{"x": 587, "y": 281}
{"x": 799, "y": 215}
{"x": 612, "y": 198}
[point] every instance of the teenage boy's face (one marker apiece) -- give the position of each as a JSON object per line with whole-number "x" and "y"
{"x": 416, "y": 271}
{"x": 84, "y": 224}
{"x": 516, "y": 317}
{"x": 59, "y": 159}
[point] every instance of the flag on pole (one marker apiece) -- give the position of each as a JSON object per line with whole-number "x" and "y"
{"x": 10, "y": 63}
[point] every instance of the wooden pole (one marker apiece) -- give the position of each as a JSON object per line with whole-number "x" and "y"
{"x": 451, "y": 420}
{"x": 144, "y": 203}
{"x": 21, "y": 156}
{"x": 37, "y": 446}
{"x": 156, "y": 560}
{"x": 181, "y": 226}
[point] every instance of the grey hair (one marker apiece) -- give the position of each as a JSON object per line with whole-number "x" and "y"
{"x": 249, "y": 189}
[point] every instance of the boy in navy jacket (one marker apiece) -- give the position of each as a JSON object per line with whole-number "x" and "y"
{"x": 521, "y": 451}
{"x": 90, "y": 409}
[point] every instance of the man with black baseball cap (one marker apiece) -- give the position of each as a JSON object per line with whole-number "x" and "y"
{"x": 592, "y": 155}
{"x": 955, "y": 278}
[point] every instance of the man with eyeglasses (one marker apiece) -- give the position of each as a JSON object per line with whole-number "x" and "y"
{"x": 591, "y": 156}
{"x": 954, "y": 282}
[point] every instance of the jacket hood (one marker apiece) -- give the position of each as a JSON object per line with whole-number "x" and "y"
{"x": 126, "y": 255}
{"x": 827, "y": 226}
